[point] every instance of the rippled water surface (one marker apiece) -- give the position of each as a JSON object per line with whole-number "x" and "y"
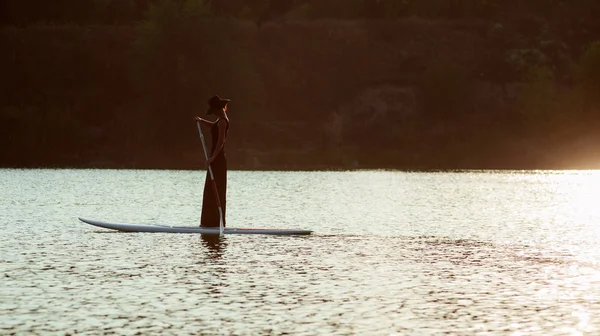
{"x": 393, "y": 253}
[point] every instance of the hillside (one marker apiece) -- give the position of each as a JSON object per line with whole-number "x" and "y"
{"x": 408, "y": 93}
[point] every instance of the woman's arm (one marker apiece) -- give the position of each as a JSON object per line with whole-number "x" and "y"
{"x": 222, "y": 124}
{"x": 204, "y": 121}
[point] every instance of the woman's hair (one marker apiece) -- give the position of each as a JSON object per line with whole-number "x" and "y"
{"x": 216, "y": 103}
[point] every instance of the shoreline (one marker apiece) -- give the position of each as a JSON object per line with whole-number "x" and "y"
{"x": 309, "y": 168}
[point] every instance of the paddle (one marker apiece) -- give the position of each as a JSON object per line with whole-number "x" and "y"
{"x": 212, "y": 178}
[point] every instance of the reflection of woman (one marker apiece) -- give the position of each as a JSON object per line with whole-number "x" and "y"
{"x": 217, "y": 161}
{"x": 215, "y": 245}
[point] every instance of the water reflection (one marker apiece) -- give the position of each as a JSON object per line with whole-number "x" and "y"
{"x": 394, "y": 253}
{"x": 215, "y": 245}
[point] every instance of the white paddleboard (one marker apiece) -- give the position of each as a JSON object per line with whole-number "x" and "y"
{"x": 191, "y": 229}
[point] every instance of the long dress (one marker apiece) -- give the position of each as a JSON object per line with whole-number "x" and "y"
{"x": 210, "y": 211}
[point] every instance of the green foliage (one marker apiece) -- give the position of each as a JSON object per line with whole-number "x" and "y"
{"x": 182, "y": 59}
{"x": 72, "y": 11}
{"x": 391, "y": 9}
{"x": 344, "y": 9}
{"x": 537, "y": 98}
{"x": 257, "y": 9}
{"x": 130, "y": 11}
{"x": 445, "y": 89}
{"x": 589, "y": 67}
{"x": 72, "y": 87}
{"x": 450, "y": 8}
{"x": 553, "y": 113}
{"x": 164, "y": 68}
{"x": 165, "y": 47}
{"x": 227, "y": 8}
{"x": 520, "y": 61}
{"x": 545, "y": 53}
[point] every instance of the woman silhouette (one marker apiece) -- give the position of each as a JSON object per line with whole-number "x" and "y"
{"x": 217, "y": 161}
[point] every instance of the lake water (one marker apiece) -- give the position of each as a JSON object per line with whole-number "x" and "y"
{"x": 393, "y": 253}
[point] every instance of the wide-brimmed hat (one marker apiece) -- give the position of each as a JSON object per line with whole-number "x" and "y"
{"x": 216, "y": 102}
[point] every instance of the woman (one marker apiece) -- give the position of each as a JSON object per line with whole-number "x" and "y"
{"x": 217, "y": 161}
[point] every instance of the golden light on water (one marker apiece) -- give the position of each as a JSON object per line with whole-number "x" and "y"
{"x": 577, "y": 200}
{"x": 577, "y": 209}
{"x": 581, "y": 195}
{"x": 498, "y": 253}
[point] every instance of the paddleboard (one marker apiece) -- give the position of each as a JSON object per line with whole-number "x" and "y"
{"x": 190, "y": 229}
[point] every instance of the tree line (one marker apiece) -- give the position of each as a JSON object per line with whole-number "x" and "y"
{"x": 19, "y": 12}
{"x": 124, "y": 94}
